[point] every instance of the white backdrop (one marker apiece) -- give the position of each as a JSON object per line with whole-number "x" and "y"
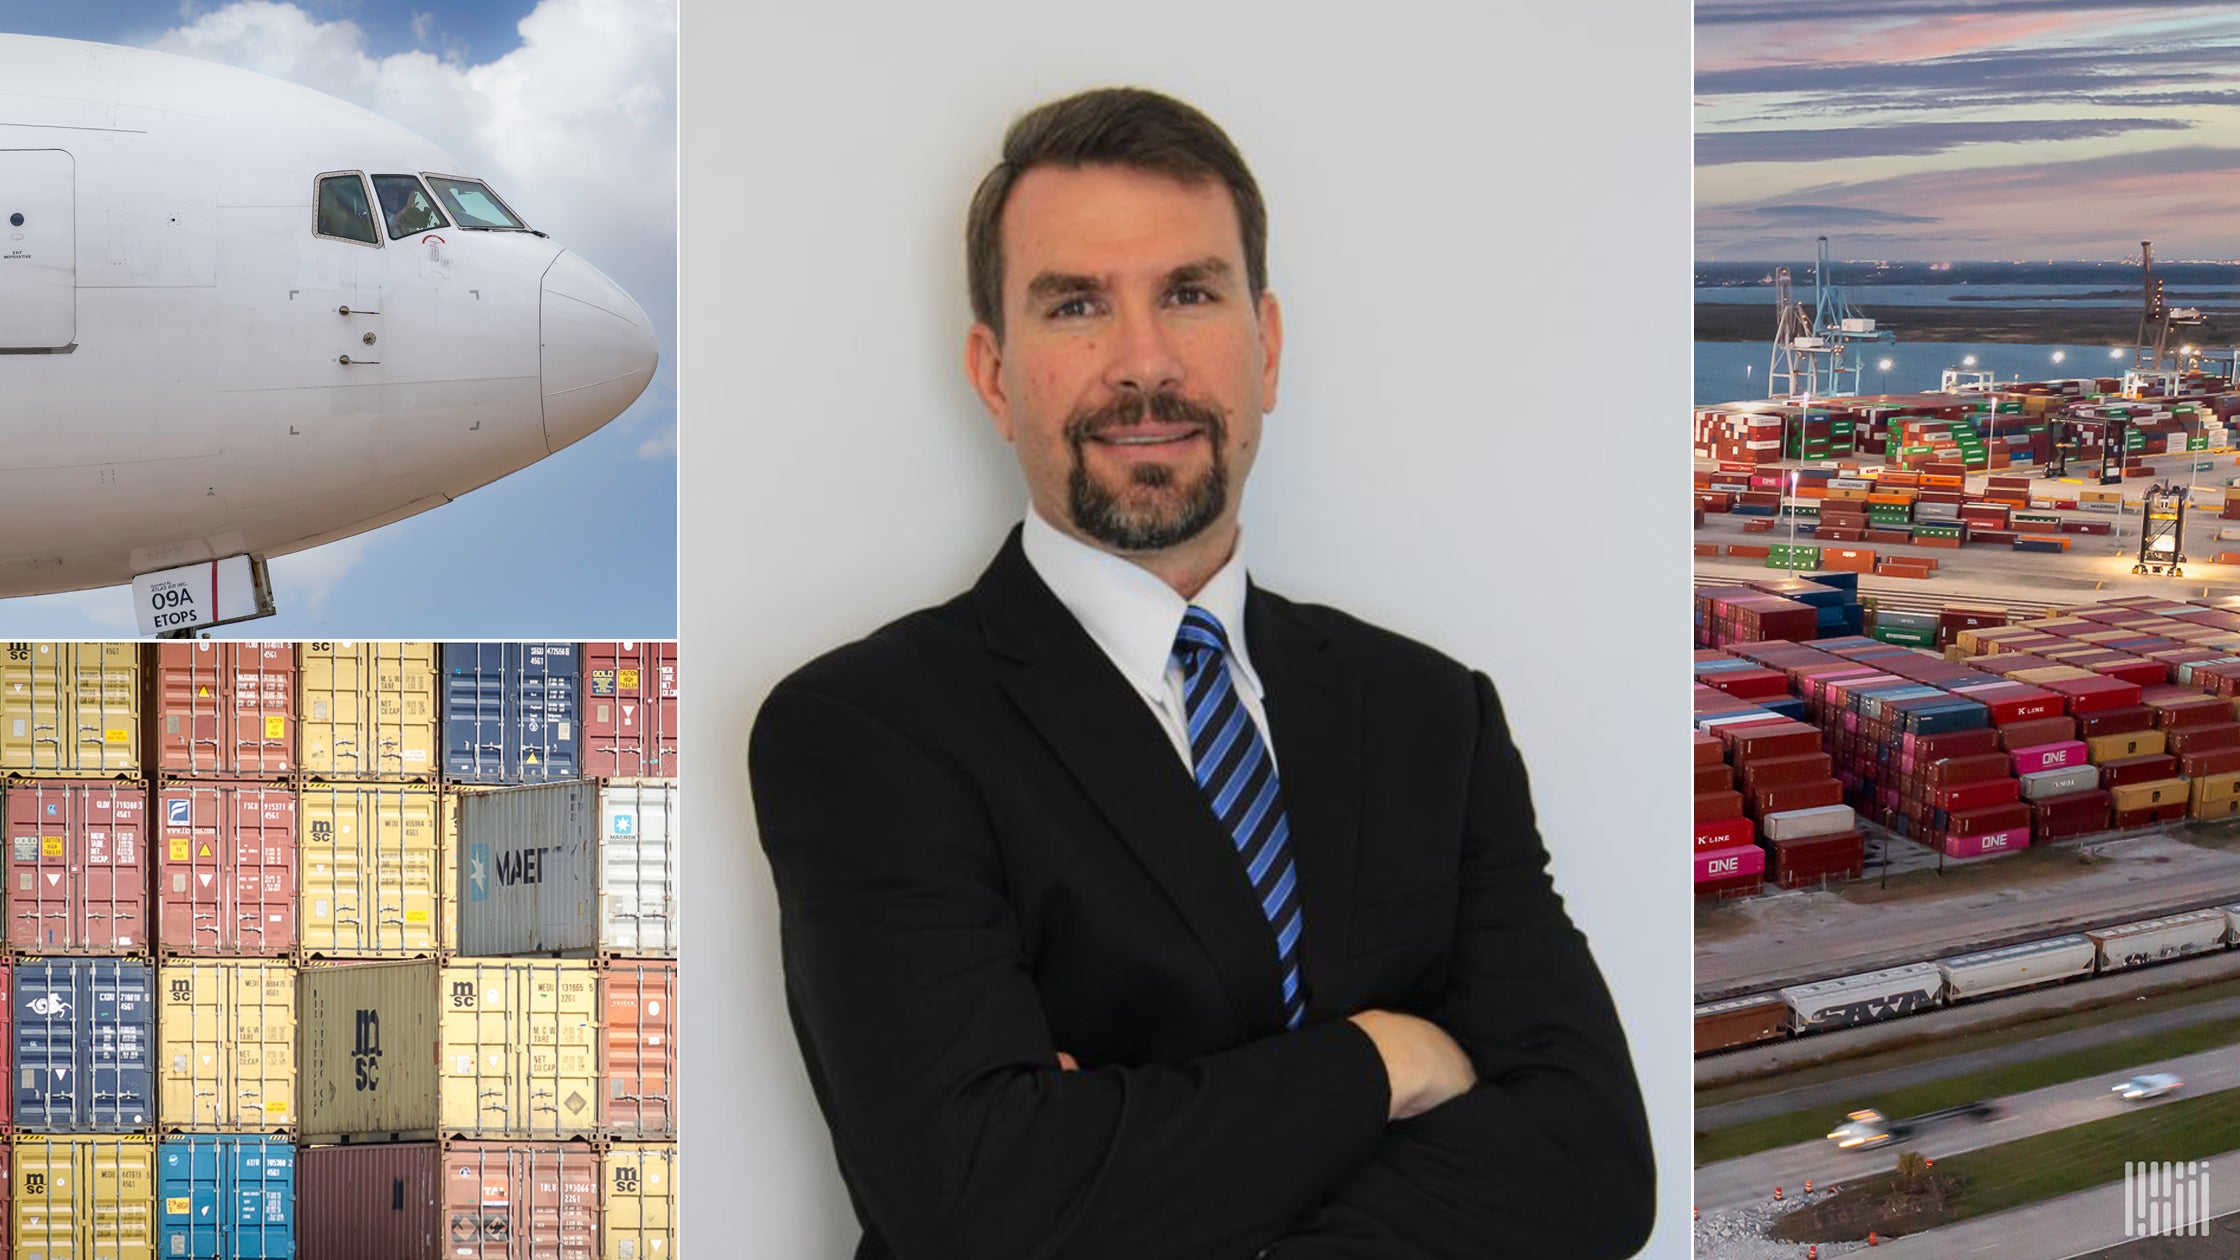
{"x": 1479, "y": 228}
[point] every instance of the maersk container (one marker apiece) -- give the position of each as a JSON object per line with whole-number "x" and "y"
{"x": 586, "y": 868}
{"x": 457, "y": 1201}
{"x": 221, "y": 709}
{"x": 375, "y": 871}
{"x": 83, "y": 1031}
{"x": 84, "y": 1196}
{"x": 77, "y": 866}
{"x": 367, "y": 711}
{"x": 225, "y": 869}
{"x": 509, "y": 712}
{"x": 480, "y": 1048}
{"x": 638, "y": 1005}
{"x": 70, "y": 709}
{"x": 2016, "y": 967}
{"x": 638, "y": 1217}
{"x": 226, "y": 1046}
{"x": 226, "y": 1198}
{"x": 2158, "y": 940}
{"x": 1862, "y": 998}
{"x": 630, "y": 710}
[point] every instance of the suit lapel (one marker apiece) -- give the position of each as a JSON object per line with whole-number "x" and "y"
{"x": 1313, "y": 697}
{"x": 1098, "y": 728}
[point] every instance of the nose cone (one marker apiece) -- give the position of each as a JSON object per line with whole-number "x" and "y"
{"x": 599, "y": 351}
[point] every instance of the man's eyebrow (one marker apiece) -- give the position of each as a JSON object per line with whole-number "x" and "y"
{"x": 1202, "y": 271}
{"x": 1057, "y": 284}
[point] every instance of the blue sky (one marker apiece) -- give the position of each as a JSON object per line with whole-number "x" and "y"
{"x": 581, "y": 544}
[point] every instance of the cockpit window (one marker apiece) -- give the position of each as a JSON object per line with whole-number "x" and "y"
{"x": 409, "y": 209}
{"x": 473, "y": 204}
{"x": 344, "y": 212}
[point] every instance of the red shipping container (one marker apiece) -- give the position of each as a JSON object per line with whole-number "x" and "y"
{"x": 2220, "y": 761}
{"x": 1713, "y": 778}
{"x": 639, "y": 997}
{"x": 2073, "y": 814}
{"x": 226, "y": 869}
{"x": 77, "y": 867}
{"x": 2012, "y": 702}
{"x": 1765, "y": 772}
{"x": 1976, "y": 822}
{"x": 1787, "y": 796}
{"x": 2145, "y": 768}
{"x": 630, "y": 710}
{"x": 1927, "y": 748}
{"x": 1725, "y": 833}
{"x": 1708, "y": 750}
{"x": 2094, "y": 695}
{"x": 2149, "y": 816}
{"x": 2123, "y": 721}
{"x": 1778, "y": 738}
{"x": 2193, "y": 739}
{"x": 459, "y": 1201}
{"x": 1749, "y": 684}
{"x": 2197, "y": 710}
{"x": 219, "y": 709}
{"x": 2143, "y": 672}
{"x": 1973, "y": 769}
{"x": 1977, "y": 795}
{"x": 1712, "y": 806}
{"x": 2032, "y": 732}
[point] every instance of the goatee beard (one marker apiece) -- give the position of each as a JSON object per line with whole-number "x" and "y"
{"x": 1099, "y": 512}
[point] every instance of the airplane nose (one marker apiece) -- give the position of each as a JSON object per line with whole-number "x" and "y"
{"x": 598, "y": 350}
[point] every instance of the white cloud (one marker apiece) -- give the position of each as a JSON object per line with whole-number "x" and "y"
{"x": 309, "y": 577}
{"x": 663, "y": 443}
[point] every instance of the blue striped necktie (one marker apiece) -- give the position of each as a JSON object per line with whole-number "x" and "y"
{"x": 1233, "y": 770}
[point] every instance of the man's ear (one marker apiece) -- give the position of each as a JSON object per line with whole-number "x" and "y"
{"x": 983, "y": 366}
{"x": 1271, "y": 348}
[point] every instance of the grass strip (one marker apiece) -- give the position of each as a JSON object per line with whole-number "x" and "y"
{"x": 2029, "y": 1170}
{"x": 2117, "y": 1057}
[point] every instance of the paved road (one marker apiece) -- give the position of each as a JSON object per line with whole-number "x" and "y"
{"x": 1840, "y": 1096}
{"x": 2057, "y": 1229}
{"x": 1753, "y": 1177}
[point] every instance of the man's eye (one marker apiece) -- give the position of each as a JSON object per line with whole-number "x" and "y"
{"x": 1191, "y": 295}
{"x": 1072, "y": 308}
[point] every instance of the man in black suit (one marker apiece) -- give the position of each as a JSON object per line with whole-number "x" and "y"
{"x": 1128, "y": 909}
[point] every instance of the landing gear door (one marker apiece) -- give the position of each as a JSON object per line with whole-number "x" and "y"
{"x": 38, "y": 249}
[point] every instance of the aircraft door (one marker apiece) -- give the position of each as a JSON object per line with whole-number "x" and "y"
{"x": 38, "y": 249}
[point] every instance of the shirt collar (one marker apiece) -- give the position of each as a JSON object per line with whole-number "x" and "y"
{"x": 1127, "y": 610}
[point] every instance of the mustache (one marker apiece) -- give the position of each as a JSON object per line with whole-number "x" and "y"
{"x": 1134, "y": 409}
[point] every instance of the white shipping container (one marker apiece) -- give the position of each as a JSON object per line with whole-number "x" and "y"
{"x": 2040, "y": 784}
{"x": 582, "y": 868}
{"x": 1936, "y": 511}
{"x": 2232, "y": 921}
{"x": 1821, "y": 820}
{"x": 1848, "y": 1000}
{"x": 2159, "y": 940}
{"x": 2017, "y": 966}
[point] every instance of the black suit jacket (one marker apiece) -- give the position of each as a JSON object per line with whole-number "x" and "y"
{"x": 986, "y": 851}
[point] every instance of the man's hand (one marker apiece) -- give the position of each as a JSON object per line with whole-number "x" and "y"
{"x": 1421, "y": 1062}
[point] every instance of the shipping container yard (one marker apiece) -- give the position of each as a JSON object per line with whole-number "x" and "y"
{"x": 236, "y": 1009}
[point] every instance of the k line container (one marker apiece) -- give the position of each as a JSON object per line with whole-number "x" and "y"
{"x": 367, "y": 710}
{"x": 2017, "y": 967}
{"x": 638, "y": 1005}
{"x": 2139, "y": 944}
{"x": 1849, "y": 1000}
{"x": 376, "y": 870}
{"x": 456, "y": 1201}
{"x": 586, "y": 868}
{"x": 84, "y": 1195}
{"x": 220, "y": 709}
{"x": 226, "y": 1046}
{"x": 480, "y": 1048}
{"x": 77, "y": 866}
{"x": 630, "y": 710}
{"x": 225, "y": 869}
{"x": 84, "y": 1028}
{"x": 638, "y": 1218}
{"x": 510, "y": 712}
{"x": 222, "y": 1197}
{"x": 70, "y": 709}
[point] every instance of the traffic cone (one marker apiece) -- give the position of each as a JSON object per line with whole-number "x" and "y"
{"x": 1873, "y": 1241}
{"x": 1812, "y": 1252}
{"x": 1698, "y": 1213}
{"x": 1808, "y": 1185}
{"x": 1777, "y": 1194}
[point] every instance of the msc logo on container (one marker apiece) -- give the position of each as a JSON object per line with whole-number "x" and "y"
{"x": 181, "y": 989}
{"x": 625, "y": 1179}
{"x": 367, "y": 1052}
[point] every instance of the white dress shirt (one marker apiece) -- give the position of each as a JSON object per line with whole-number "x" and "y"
{"x": 1133, "y": 616}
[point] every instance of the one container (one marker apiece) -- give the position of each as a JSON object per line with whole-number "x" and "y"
{"x": 509, "y": 712}
{"x": 375, "y": 871}
{"x": 638, "y": 1005}
{"x": 226, "y": 1046}
{"x": 225, "y": 1197}
{"x": 83, "y": 1028}
{"x": 638, "y": 1218}
{"x": 221, "y": 709}
{"x": 630, "y": 710}
{"x": 225, "y": 869}
{"x": 1859, "y": 999}
{"x": 84, "y": 1195}
{"x": 1720, "y": 864}
{"x": 455, "y": 1201}
{"x": 586, "y": 868}
{"x": 480, "y": 1048}
{"x": 367, "y": 711}
{"x": 2016, "y": 967}
{"x": 70, "y": 709}
{"x": 2130, "y": 944}
{"x": 77, "y": 866}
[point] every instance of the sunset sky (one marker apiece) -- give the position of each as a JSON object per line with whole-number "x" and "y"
{"x": 1945, "y": 130}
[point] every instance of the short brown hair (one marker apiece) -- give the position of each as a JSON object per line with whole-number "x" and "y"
{"x": 1128, "y": 127}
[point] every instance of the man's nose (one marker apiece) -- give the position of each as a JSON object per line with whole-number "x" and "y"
{"x": 1143, "y": 355}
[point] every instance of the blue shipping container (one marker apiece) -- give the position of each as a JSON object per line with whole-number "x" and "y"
{"x": 84, "y": 1028}
{"x": 226, "y": 1197}
{"x": 510, "y": 712}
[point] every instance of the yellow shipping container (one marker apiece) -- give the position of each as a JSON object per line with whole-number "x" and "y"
{"x": 2210, "y": 788}
{"x": 226, "y": 1046}
{"x": 638, "y": 1209}
{"x": 367, "y": 710}
{"x": 2154, "y": 792}
{"x": 85, "y": 1195}
{"x": 2050, "y": 673}
{"x": 70, "y": 709}
{"x": 2210, "y": 811}
{"x": 376, "y": 871}
{"x": 480, "y": 1048}
{"x": 2126, "y": 744}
